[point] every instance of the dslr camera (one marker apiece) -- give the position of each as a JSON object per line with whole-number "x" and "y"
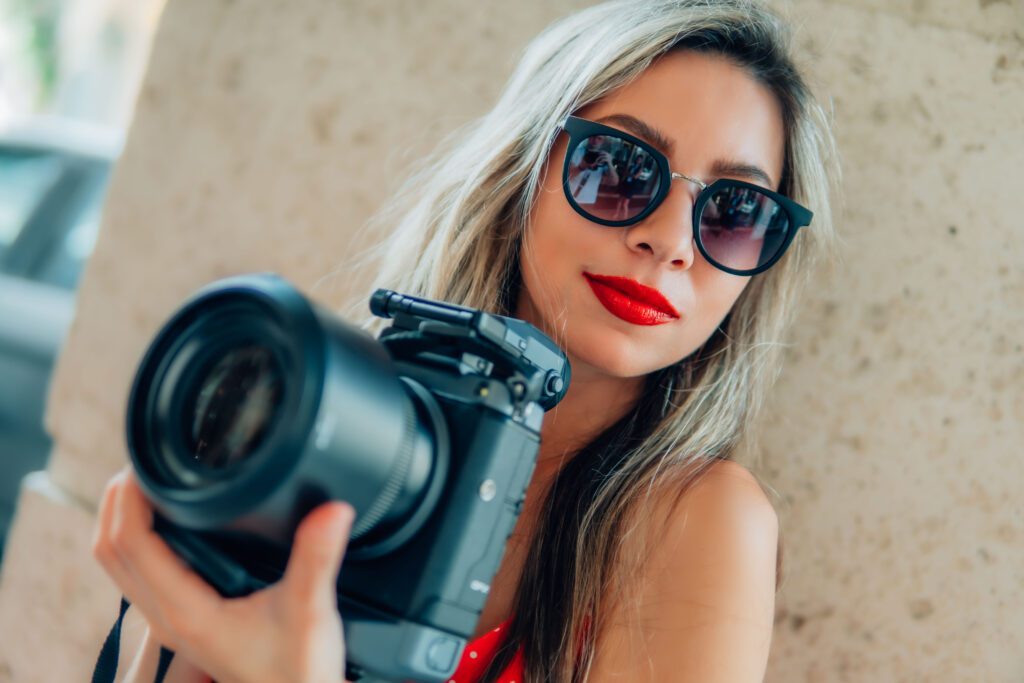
{"x": 253, "y": 405}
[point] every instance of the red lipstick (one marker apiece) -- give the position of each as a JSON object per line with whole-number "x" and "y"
{"x": 631, "y": 301}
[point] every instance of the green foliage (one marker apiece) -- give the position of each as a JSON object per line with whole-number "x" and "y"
{"x": 35, "y": 24}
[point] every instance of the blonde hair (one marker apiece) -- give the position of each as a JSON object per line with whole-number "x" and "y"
{"x": 454, "y": 233}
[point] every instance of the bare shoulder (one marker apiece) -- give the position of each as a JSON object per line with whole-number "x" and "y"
{"x": 735, "y": 484}
{"x": 706, "y": 605}
{"x": 725, "y": 516}
{"x": 726, "y": 503}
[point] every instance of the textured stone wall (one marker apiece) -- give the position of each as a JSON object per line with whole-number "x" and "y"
{"x": 897, "y": 430}
{"x": 266, "y": 132}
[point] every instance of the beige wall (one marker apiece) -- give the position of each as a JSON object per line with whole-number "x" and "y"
{"x": 266, "y": 132}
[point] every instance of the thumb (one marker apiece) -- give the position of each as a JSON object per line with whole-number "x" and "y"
{"x": 317, "y": 553}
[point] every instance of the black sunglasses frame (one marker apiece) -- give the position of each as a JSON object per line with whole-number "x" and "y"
{"x": 580, "y": 129}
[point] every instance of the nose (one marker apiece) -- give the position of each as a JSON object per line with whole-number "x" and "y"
{"x": 667, "y": 233}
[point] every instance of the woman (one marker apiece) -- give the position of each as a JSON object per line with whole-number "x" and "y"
{"x": 643, "y": 552}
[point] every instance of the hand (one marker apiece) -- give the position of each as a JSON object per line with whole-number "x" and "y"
{"x": 290, "y": 631}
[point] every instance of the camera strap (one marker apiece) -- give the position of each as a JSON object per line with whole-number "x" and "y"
{"x": 106, "y": 664}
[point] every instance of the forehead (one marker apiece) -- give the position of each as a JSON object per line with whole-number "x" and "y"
{"x": 708, "y": 107}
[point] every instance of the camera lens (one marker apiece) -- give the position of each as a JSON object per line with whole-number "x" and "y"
{"x": 232, "y": 405}
{"x": 253, "y": 405}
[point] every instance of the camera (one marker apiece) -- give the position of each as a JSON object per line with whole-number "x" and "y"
{"x": 253, "y": 405}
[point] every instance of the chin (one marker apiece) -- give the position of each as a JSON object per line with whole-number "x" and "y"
{"x": 609, "y": 354}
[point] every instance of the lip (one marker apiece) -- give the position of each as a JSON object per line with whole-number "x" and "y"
{"x": 631, "y": 301}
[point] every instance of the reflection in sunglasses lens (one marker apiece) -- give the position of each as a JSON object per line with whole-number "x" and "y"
{"x": 610, "y": 178}
{"x": 742, "y": 228}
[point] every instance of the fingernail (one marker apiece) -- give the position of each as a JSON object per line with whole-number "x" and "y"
{"x": 343, "y": 515}
{"x": 348, "y": 512}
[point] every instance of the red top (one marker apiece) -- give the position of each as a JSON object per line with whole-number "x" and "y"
{"x": 478, "y": 654}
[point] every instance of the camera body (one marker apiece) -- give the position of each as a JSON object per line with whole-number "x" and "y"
{"x": 431, "y": 432}
{"x": 442, "y": 576}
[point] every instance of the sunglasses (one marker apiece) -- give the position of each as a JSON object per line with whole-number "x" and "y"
{"x": 615, "y": 179}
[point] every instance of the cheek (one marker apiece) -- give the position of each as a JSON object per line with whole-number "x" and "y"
{"x": 557, "y": 246}
{"x": 716, "y": 293}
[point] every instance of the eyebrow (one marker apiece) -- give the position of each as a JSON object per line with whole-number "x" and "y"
{"x": 721, "y": 167}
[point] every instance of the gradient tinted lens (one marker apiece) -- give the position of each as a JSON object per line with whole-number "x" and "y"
{"x": 611, "y": 178}
{"x": 742, "y": 228}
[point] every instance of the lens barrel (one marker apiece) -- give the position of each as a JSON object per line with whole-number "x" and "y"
{"x": 253, "y": 405}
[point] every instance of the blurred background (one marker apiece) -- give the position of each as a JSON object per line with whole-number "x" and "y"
{"x": 148, "y": 148}
{"x": 69, "y": 75}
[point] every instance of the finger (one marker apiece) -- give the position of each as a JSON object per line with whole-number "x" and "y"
{"x": 104, "y": 541}
{"x": 120, "y": 537}
{"x": 107, "y": 513}
{"x": 102, "y": 549}
{"x": 111, "y": 537}
{"x": 183, "y": 599}
{"x": 312, "y": 573}
{"x": 182, "y": 670}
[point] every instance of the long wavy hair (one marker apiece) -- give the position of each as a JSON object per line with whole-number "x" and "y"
{"x": 454, "y": 231}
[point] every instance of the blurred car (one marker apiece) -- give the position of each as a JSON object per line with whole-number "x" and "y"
{"x": 53, "y": 179}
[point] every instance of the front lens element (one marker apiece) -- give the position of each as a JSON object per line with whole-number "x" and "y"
{"x": 232, "y": 405}
{"x": 611, "y": 178}
{"x": 742, "y": 228}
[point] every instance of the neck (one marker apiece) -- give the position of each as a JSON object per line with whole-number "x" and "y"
{"x": 593, "y": 403}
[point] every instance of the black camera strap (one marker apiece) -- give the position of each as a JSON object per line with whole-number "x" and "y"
{"x": 106, "y": 664}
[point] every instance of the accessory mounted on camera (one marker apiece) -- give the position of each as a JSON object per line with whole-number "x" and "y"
{"x": 531, "y": 365}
